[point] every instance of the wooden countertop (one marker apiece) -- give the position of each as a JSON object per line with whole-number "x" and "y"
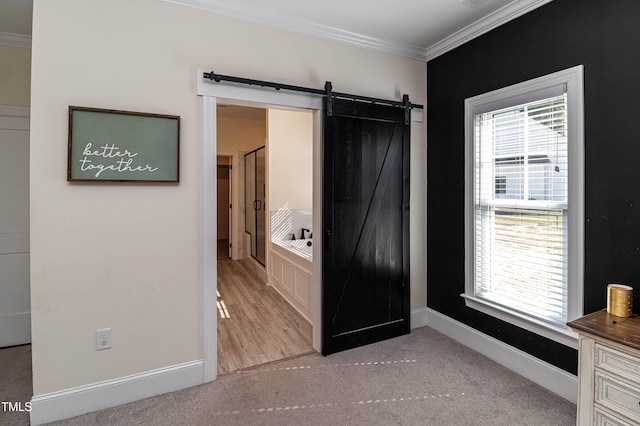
{"x": 625, "y": 331}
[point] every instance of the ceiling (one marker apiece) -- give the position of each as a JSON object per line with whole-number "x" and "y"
{"x": 416, "y": 28}
{"x": 421, "y": 29}
{"x": 419, "y": 23}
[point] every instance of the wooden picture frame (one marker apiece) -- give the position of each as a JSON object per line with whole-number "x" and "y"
{"x": 122, "y": 146}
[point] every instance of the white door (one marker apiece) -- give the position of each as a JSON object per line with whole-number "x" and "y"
{"x": 15, "y": 305}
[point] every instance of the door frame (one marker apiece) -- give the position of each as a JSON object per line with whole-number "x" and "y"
{"x": 230, "y": 208}
{"x": 212, "y": 93}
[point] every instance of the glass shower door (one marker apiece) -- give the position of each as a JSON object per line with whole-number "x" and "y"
{"x": 255, "y": 211}
{"x": 261, "y": 213}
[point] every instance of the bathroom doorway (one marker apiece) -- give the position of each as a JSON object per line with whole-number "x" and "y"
{"x": 255, "y": 322}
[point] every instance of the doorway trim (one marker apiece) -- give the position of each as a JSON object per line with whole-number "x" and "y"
{"x": 212, "y": 93}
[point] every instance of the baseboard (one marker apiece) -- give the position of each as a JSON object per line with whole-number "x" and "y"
{"x": 73, "y": 402}
{"x": 419, "y": 318}
{"x": 84, "y": 399}
{"x": 544, "y": 374}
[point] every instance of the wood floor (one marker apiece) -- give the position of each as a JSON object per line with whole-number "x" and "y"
{"x": 255, "y": 324}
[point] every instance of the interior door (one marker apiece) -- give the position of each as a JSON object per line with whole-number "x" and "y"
{"x": 365, "y": 259}
{"x": 15, "y": 304}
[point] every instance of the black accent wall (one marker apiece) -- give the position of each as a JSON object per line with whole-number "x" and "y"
{"x": 604, "y": 36}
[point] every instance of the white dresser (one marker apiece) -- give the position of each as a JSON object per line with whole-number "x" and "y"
{"x": 608, "y": 370}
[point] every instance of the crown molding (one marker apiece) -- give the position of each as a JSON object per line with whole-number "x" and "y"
{"x": 263, "y": 15}
{"x": 15, "y": 40}
{"x": 501, "y": 16}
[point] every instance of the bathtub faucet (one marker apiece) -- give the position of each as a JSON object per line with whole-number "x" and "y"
{"x": 302, "y": 233}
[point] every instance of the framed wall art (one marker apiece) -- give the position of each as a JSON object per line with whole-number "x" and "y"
{"x": 112, "y": 145}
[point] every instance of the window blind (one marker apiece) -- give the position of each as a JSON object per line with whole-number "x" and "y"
{"x": 521, "y": 195}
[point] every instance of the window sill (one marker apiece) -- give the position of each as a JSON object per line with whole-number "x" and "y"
{"x": 556, "y": 333}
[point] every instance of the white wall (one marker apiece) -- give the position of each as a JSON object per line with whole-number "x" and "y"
{"x": 290, "y": 145}
{"x": 235, "y": 134}
{"x": 128, "y": 256}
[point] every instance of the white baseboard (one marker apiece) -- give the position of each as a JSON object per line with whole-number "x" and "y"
{"x": 73, "y": 402}
{"x": 84, "y": 399}
{"x": 544, "y": 374}
{"x": 419, "y": 318}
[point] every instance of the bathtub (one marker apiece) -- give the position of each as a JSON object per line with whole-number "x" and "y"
{"x": 291, "y": 272}
{"x": 302, "y": 248}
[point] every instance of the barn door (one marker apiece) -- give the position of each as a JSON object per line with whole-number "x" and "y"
{"x": 365, "y": 259}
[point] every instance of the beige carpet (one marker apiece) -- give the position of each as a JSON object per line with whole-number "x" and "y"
{"x": 424, "y": 378}
{"x": 15, "y": 383}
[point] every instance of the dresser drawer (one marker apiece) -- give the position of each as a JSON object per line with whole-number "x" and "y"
{"x": 618, "y": 362}
{"x": 603, "y": 418}
{"x": 618, "y": 396}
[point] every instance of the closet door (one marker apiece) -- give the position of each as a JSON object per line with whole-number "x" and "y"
{"x": 15, "y": 302}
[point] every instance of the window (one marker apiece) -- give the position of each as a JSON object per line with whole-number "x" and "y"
{"x": 501, "y": 186}
{"x": 524, "y": 203}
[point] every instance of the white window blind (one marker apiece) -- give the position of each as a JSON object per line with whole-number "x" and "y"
{"x": 521, "y": 200}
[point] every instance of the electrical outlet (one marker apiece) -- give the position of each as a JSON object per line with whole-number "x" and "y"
{"x": 103, "y": 339}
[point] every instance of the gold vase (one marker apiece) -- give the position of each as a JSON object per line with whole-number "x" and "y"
{"x": 619, "y": 300}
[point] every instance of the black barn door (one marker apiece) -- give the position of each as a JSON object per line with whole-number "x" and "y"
{"x": 365, "y": 255}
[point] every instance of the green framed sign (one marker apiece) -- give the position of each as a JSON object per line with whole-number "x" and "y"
{"x": 112, "y": 145}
